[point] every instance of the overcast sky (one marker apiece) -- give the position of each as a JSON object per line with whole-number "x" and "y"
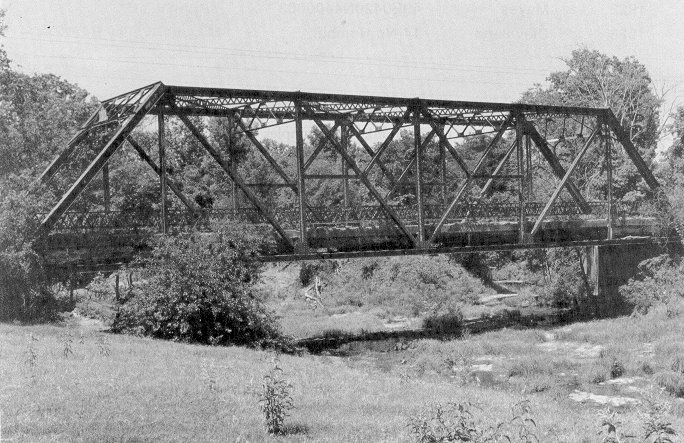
{"x": 486, "y": 50}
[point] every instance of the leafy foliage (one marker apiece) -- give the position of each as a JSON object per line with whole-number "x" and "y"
{"x": 407, "y": 285}
{"x": 459, "y": 422}
{"x": 567, "y": 284}
{"x": 275, "y": 399}
{"x": 624, "y": 86}
{"x": 24, "y": 291}
{"x": 660, "y": 280}
{"x": 198, "y": 287}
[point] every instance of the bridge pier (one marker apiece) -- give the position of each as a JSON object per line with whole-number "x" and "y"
{"x": 609, "y": 267}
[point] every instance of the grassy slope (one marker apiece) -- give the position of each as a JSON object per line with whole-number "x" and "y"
{"x": 154, "y": 390}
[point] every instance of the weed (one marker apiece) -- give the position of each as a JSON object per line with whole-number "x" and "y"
{"x": 275, "y": 399}
{"x": 67, "y": 342}
{"x": 103, "y": 347}
{"x": 209, "y": 375}
{"x": 31, "y": 354}
{"x": 611, "y": 427}
{"x": 523, "y": 425}
{"x": 450, "y": 422}
{"x": 458, "y": 422}
{"x": 656, "y": 428}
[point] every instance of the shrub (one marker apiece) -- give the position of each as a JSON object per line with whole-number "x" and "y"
{"x": 617, "y": 369}
{"x": 275, "y": 399}
{"x": 199, "y": 287}
{"x": 446, "y": 324}
{"x": 24, "y": 290}
{"x": 660, "y": 280}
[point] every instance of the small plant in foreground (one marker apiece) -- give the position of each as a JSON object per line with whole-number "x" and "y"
{"x": 275, "y": 399}
{"x": 458, "y": 422}
{"x": 611, "y": 427}
{"x": 656, "y": 428}
{"x": 103, "y": 347}
{"x": 31, "y": 354}
{"x": 209, "y": 375}
{"x": 67, "y": 341}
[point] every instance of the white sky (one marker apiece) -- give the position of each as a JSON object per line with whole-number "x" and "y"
{"x": 486, "y": 50}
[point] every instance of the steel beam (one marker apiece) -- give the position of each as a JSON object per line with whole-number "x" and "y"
{"x": 105, "y": 187}
{"x": 344, "y": 142}
{"x": 556, "y": 166}
{"x": 274, "y": 164}
{"x": 285, "y": 96}
{"x": 51, "y": 170}
{"x": 418, "y": 146}
{"x": 375, "y": 156}
{"x": 521, "y": 172}
{"x": 318, "y": 149}
{"x": 566, "y": 177}
{"x": 352, "y": 164}
{"x": 162, "y": 176}
{"x": 469, "y": 179}
{"x": 609, "y": 179}
{"x": 487, "y": 189}
{"x": 261, "y": 207}
{"x": 630, "y": 149}
{"x": 445, "y": 142}
{"x": 175, "y": 188}
{"x": 299, "y": 151}
{"x": 385, "y": 144}
{"x": 151, "y": 98}
{"x": 408, "y": 167}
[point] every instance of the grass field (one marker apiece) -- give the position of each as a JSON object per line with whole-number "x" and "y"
{"x": 73, "y": 381}
{"x": 122, "y": 388}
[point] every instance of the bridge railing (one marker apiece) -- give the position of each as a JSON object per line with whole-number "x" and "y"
{"x": 288, "y": 217}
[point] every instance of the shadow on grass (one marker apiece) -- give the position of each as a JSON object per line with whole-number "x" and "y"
{"x": 334, "y": 341}
{"x": 294, "y": 429}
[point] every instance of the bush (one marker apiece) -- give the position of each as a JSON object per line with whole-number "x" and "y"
{"x": 447, "y": 324}
{"x": 24, "y": 291}
{"x": 660, "y": 280}
{"x": 199, "y": 287}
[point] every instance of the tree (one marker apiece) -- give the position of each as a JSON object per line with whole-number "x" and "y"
{"x": 624, "y": 86}
{"x": 24, "y": 293}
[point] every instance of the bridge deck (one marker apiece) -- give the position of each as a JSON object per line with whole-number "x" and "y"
{"x": 102, "y": 249}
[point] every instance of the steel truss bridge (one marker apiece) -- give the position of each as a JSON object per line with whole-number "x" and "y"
{"x": 542, "y": 176}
